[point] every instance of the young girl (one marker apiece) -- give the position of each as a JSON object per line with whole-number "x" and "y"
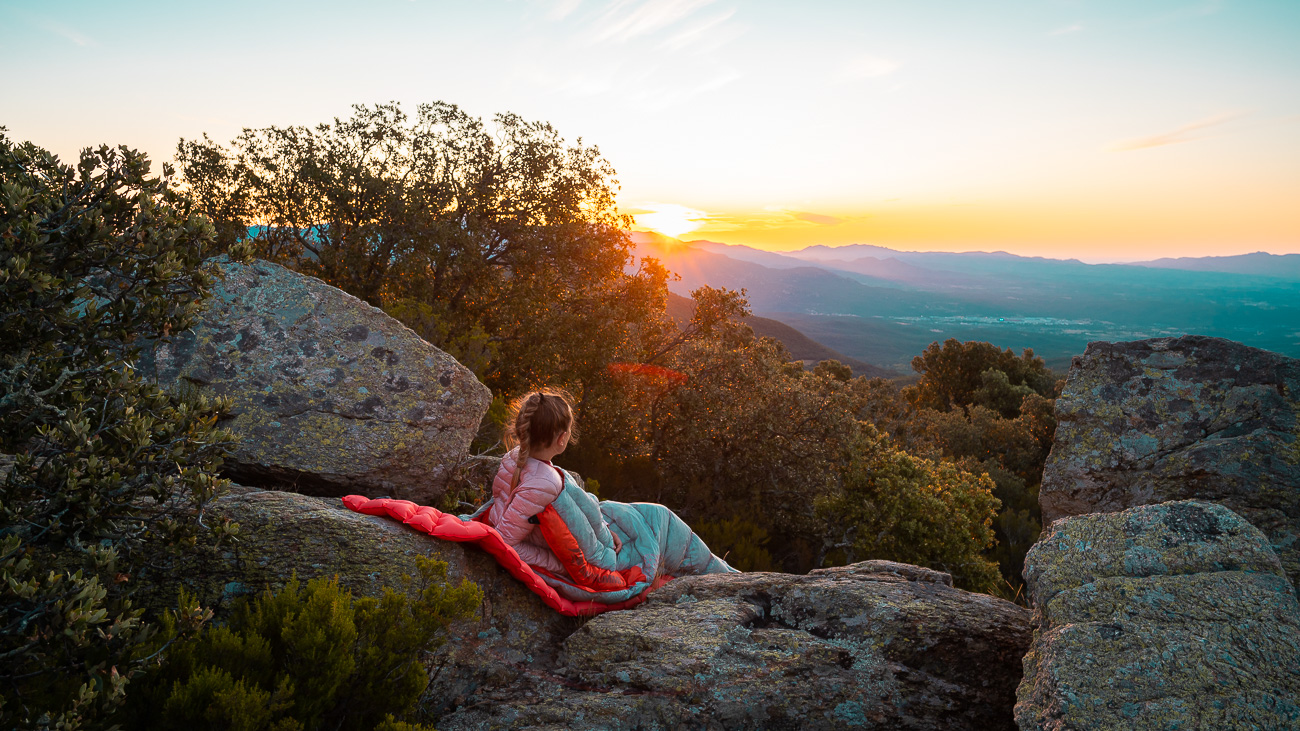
{"x": 538, "y": 427}
{"x": 609, "y": 544}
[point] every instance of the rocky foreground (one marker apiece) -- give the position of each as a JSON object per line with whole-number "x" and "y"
{"x": 872, "y": 645}
{"x": 1170, "y": 616}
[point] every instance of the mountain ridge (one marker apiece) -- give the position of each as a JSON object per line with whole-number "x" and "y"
{"x": 886, "y": 310}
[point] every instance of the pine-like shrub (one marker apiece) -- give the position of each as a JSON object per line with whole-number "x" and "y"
{"x": 307, "y": 657}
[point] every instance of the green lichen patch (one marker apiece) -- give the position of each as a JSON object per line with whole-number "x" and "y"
{"x": 1175, "y": 615}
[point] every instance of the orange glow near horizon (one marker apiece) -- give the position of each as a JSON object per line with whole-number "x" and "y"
{"x": 1093, "y": 226}
{"x": 669, "y": 219}
{"x": 1096, "y": 131}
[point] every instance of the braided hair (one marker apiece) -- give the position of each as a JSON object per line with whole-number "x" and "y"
{"x": 536, "y": 420}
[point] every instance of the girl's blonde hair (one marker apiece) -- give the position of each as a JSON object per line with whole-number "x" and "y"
{"x": 536, "y": 420}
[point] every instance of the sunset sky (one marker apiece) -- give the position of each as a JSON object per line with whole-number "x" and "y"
{"x": 1105, "y": 131}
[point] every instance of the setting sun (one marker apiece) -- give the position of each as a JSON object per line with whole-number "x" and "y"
{"x": 670, "y": 219}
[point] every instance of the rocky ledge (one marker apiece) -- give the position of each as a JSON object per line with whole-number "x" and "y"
{"x": 872, "y": 645}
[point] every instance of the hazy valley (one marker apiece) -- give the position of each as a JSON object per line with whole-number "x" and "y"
{"x": 883, "y": 306}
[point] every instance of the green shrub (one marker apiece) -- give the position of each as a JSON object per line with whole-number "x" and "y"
{"x": 895, "y": 506}
{"x": 739, "y": 542}
{"x": 307, "y": 657}
{"x": 96, "y": 261}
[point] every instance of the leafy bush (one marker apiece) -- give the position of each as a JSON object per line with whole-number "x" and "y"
{"x": 94, "y": 261}
{"x": 738, "y": 541}
{"x": 895, "y": 506}
{"x": 307, "y": 657}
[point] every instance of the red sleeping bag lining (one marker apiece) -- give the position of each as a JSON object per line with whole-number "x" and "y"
{"x": 438, "y": 524}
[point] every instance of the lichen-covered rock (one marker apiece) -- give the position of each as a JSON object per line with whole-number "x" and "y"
{"x": 1159, "y": 617}
{"x": 331, "y": 396}
{"x": 1150, "y": 421}
{"x": 284, "y": 534}
{"x": 873, "y": 645}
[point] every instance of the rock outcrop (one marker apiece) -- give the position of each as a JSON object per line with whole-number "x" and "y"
{"x": 1159, "y": 617}
{"x": 331, "y": 396}
{"x": 873, "y": 645}
{"x": 1151, "y": 421}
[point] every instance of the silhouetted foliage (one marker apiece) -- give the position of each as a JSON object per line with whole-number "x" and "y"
{"x": 500, "y": 245}
{"x": 95, "y": 260}
{"x": 958, "y": 374}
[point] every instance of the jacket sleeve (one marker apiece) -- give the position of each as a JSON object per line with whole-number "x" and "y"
{"x": 534, "y": 493}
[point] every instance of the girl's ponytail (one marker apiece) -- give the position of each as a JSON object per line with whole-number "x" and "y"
{"x": 535, "y": 420}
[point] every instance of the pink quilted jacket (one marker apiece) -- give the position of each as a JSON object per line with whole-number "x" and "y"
{"x": 538, "y": 487}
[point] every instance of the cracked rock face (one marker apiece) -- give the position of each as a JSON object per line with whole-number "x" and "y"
{"x": 331, "y": 396}
{"x": 873, "y": 645}
{"x": 1194, "y": 417}
{"x": 1160, "y": 617}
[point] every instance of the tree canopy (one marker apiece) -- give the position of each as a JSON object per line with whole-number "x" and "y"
{"x": 957, "y": 375}
{"x": 500, "y": 244}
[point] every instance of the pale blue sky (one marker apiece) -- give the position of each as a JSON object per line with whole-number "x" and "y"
{"x": 1103, "y": 130}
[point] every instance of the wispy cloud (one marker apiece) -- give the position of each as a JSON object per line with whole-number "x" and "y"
{"x": 660, "y": 97}
{"x": 704, "y": 32}
{"x": 628, "y": 19}
{"x": 69, "y": 34}
{"x": 772, "y": 218}
{"x": 1186, "y": 133}
{"x": 561, "y": 9}
{"x": 1073, "y": 28}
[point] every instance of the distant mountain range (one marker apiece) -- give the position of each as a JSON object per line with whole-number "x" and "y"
{"x": 1259, "y": 264}
{"x": 882, "y": 306}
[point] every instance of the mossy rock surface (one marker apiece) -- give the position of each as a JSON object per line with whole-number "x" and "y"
{"x": 1166, "y": 616}
{"x": 331, "y": 396}
{"x": 874, "y": 645}
{"x": 1151, "y": 421}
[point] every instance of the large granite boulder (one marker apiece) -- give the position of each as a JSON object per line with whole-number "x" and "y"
{"x": 872, "y": 645}
{"x": 331, "y": 396}
{"x": 1171, "y": 616}
{"x": 1177, "y": 418}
